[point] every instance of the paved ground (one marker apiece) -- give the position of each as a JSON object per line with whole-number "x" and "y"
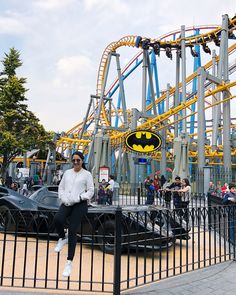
{"x": 218, "y": 279}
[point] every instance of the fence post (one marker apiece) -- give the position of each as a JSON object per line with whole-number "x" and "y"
{"x": 234, "y": 232}
{"x": 117, "y": 253}
{"x": 138, "y": 195}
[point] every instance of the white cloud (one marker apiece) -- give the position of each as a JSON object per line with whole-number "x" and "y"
{"x": 11, "y": 25}
{"x": 72, "y": 65}
{"x": 52, "y": 4}
{"x": 114, "y": 6}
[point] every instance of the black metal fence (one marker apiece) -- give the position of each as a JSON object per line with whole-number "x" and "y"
{"x": 118, "y": 247}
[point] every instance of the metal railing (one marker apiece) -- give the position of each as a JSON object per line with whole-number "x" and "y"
{"x": 118, "y": 248}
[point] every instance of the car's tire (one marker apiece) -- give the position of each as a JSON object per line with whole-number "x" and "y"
{"x": 6, "y": 219}
{"x": 106, "y": 239}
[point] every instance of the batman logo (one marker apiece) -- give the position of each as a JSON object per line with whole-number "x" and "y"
{"x": 143, "y": 141}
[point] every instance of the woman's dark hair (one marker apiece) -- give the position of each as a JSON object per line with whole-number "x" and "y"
{"x": 187, "y": 181}
{"x": 163, "y": 179}
{"x": 77, "y": 153}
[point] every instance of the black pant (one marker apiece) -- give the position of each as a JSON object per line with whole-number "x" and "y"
{"x": 74, "y": 214}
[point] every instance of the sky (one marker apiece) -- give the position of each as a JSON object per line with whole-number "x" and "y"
{"x": 61, "y": 43}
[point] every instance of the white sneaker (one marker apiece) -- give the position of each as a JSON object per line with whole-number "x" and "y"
{"x": 67, "y": 269}
{"x": 60, "y": 244}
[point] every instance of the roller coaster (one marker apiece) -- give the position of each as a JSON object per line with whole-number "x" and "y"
{"x": 193, "y": 117}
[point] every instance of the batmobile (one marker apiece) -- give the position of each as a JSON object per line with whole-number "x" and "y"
{"x": 141, "y": 226}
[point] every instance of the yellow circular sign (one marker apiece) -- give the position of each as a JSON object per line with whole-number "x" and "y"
{"x": 143, "y": 141}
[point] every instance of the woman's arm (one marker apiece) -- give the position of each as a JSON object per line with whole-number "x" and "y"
{"x": 184, "y": 190}
{"x": 88, "y": 194}
{"x": 61, "y": 188}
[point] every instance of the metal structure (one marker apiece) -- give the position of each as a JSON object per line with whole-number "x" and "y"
{"x": 192, "y": 116}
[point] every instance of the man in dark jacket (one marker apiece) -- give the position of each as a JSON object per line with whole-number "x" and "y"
{"x": 230, "y": 196}
{"x": 174, "y": 187}
{"x": 230, "y": 199}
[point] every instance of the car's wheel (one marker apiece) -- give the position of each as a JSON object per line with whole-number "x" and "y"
{"x": 6, "y": 218}
{"x": 106, "y": 238}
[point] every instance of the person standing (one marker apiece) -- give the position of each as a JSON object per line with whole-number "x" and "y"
{"x": 25, "y": 191}
{"x": 75, "y": 190}
{"x": 163, "y": 180}
{"x": 186, "y": 196}
{"x": 110, "y": 189}
{"x": 157, "y": 184}
{"x": 150, "y": 194}
{"x": 186, "y": 189}
{"x": 174, "y": 188}
{"x": 230, "y": 199}
{"x": 230, "y": 196}
{"x": 167, "y": 194}
{"x": 224, "y": 189}
{"x": 212, "y": 190}
{"x": 19, "y": 180}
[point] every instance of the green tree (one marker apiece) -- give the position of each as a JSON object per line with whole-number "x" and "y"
{"x": 20, "y": 129}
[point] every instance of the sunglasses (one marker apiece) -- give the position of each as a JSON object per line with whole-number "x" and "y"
{"x": 76, "y": 160}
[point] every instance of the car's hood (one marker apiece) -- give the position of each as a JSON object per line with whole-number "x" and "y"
{"x": 20, "y": 202}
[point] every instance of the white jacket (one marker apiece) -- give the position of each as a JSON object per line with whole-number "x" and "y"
{"x": 76, "y": 186}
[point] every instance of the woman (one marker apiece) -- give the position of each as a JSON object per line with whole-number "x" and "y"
{"x": 157, "y": 184}
{"x": 166, "y": 194}
{"x": 186, "y": 188}
{"x": 75, "y": 190}
{"x": 186, "y": 192}
{"x": 224, "y": 189}
{"x": 163, "y": 180}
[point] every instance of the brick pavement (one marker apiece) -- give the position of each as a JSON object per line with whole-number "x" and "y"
{"x": 218, "y": 279}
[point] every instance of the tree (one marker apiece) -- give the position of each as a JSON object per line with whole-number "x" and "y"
{"x": 20, "y": 129}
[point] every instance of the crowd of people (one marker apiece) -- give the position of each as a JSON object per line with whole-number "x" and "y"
{"x": 164, "y": 189}
{"x": 24, "y": 184}
{"x": 218, "y": 190}
{"x": 105, "y": 191}
{"x": 227, "y": 191}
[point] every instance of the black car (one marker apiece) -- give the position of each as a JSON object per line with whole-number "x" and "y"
{"x": 141, "y": 226}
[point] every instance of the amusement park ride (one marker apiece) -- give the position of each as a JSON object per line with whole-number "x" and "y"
{"x": 192, "y": 117}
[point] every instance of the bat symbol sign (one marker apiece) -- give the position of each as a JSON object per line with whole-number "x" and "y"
{"x": 143, "y": 141}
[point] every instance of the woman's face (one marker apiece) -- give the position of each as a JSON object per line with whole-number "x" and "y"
{"x": 183, "y": 182}
{"x": 77, "y": 162}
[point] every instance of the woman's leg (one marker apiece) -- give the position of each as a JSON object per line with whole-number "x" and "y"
{"x": 60, "y": 219}
{"x": 77, "y": 213}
